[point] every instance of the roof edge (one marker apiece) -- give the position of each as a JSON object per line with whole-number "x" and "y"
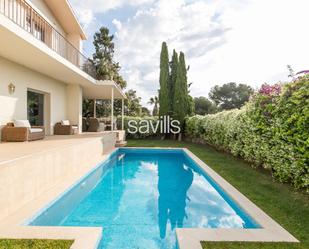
{"x": 70, "y": 13}
{"x": 82, "y": 31}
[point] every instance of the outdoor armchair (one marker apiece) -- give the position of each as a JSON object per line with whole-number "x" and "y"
{"x": 95, "y": 125}
{"x": 11, "y": 133}
{"x": 65, "y": 128}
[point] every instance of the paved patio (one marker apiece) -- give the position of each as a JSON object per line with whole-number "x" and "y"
{"x": 13, "y": 151}
{"x": 34, "y": 173}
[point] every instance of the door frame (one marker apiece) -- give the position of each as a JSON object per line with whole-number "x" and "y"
{"x": 46, "y": 109}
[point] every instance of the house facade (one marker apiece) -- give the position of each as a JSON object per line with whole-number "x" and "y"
{"x": 44, "y": 75}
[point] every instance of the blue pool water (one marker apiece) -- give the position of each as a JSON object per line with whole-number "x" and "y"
{"x": 139, "y": 197}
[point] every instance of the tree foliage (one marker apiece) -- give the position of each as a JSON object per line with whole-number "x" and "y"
{"x": 133, "y": 106}
{"x": 174, "y": 98}
{"x": 271, "y": 131}
{"x": 103, "y": 58}
{"x": 88, "y": 107}
{"x": 230, "y": 95}
{"x": 173, "y": 76}
{"x": 181, "y": 99}
{"x": 191, "y": 106}
{"x": 164, "y": 81}
{"x": 145, "y": 112}
{"x": 106, "y": 68}
{"x": 204, "y": 106}
{"x": 155, "y": 102}
{"x": 138, "y": 121}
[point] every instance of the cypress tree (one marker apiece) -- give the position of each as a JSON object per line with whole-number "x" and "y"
{"x": 164, "y": 81}
{"x": 185, "y": 82}
{"x": 174, "y": 65}
{"x": 181, "y": 99}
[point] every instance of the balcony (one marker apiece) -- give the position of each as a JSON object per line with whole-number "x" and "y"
{"x": 23, "y": 15}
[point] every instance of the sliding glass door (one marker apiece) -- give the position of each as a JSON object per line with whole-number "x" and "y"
{"x": 35, "y": 102}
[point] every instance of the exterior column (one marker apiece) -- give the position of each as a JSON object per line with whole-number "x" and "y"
{"x": 75, "y": 105}
{"x": 112, "y": 111}
{"x": 122, "y": 114}
{"x": 95, "y": 108}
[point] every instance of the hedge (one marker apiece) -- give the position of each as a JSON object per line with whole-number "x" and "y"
{"x": 271, "y": 131}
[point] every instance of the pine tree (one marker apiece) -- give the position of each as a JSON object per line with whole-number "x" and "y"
{"x": 103, "y": 58}
{"x": 173, "y": 75}
{"x": 164, "y": 81}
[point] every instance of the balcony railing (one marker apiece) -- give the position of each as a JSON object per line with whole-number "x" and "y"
{"x": 22, "y": 14}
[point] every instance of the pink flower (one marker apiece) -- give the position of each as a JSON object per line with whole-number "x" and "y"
{"x": 270, "y": 90}
{"x": 303, "y": 72}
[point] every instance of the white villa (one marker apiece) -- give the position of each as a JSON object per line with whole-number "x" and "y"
{"x": 41, "y": 57}
{"x": 44, "y": 78}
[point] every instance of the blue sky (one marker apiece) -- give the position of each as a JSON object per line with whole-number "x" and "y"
{"x": 106, "y": 20}
{"x": 244, "y": 41}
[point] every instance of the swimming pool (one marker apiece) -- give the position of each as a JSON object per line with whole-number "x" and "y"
{"x": 140, "y": 196}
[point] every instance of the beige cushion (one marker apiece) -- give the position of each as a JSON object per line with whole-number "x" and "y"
{"x": 22, "y": 123}
{"x": 65, "y": 122}
{"x": 34, "y": 130}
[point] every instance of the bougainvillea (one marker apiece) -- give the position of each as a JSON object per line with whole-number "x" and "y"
{"x": 270, "y": 90}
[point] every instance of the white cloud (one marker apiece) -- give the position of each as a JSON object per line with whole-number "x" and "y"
{"x": 117, "y": 24}
{"x": 248, "y": 41}
{"x": 85, "y": 16}
{"x": 195, "y": 28}
{"x": 92, "y": 7}
{"x": 265, "y": 37}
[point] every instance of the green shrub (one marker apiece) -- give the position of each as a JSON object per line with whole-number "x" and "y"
{"x": 271, "y": 131}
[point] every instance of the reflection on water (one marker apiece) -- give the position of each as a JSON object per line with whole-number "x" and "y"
{"x": 141, "y": 199}
{"x": 173, "y": 184}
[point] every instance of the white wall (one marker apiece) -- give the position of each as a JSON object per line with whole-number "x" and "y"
{"x": 76, "y": 41}
{"x": 15, "y": 106}
{"x": 44, "y": 11}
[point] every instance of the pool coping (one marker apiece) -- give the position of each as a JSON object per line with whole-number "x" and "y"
{"x": 13, "y": 226}
{"x": 271, "y": 231}
{"x": 188, "y": 238}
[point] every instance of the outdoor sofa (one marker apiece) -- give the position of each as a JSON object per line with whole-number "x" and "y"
{"x": 21, "y": 131}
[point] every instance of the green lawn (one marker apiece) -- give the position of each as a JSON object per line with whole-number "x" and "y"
{"x": 246, "y": 245}
{"x": 34, "y": 244}
{"x": 288, "y": 207}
